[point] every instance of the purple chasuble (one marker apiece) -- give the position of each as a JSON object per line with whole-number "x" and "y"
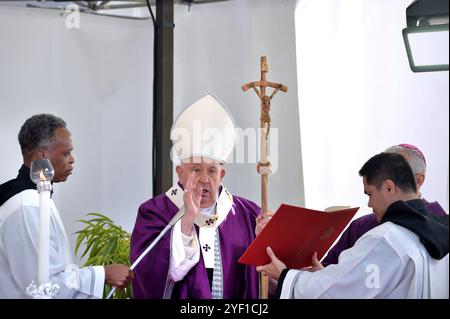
{"x": 359, "y": 227}
{"x": 236, "y": 233}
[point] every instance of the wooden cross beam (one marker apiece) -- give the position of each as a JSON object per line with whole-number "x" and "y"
{"x": 265, "y": 100}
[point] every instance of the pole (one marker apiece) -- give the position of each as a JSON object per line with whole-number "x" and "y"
{"x": 172, "y": 222}
{"x": 264, "y": 166}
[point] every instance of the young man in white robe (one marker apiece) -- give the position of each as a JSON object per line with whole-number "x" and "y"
{"x": 406, "y": 256}
{"x": 44, "y": 136}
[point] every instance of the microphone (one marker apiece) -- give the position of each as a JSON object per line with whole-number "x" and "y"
{"x": 172, "y": 222}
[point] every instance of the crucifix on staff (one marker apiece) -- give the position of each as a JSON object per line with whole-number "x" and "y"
{"x": 264, "y": 166}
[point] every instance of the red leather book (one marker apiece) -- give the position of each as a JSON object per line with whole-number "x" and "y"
{"x": 295, "y": 233}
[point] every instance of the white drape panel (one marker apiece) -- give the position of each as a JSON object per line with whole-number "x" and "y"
{"x": 99, "y": 79}
{"x": 357, "y": 96}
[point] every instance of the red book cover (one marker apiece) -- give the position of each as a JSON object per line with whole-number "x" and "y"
{"x": 295, "y": 233}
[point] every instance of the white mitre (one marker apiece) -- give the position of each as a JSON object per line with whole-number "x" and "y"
{"x": 204, "y": 129}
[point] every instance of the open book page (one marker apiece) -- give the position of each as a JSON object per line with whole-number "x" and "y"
{"x": 335, "y": 208}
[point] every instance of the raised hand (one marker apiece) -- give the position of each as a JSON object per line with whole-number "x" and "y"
{"x": 192, "y": 197}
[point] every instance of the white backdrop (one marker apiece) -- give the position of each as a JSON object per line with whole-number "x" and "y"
{"x": 99, "y": 79}
{"x": 358, "y": 96}
{"x": 218, "y": 48}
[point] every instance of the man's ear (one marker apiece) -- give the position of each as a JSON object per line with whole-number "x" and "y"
{"x": 40, "y": 154}
{"x": 222, "y": 173}
{"x": 179, "y": 171}
{"x": 390, "y": 187}
{"x": 420, "y": 179}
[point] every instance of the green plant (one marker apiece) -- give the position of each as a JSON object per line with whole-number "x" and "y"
{"x": 106, "y": 244}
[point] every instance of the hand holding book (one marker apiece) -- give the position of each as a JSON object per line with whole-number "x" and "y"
{"x": 295, "y": 233}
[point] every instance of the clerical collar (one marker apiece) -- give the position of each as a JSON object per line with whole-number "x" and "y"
{"x": 208, "y": 210}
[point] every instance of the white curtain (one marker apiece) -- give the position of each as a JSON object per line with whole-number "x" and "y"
{"x": 218, "y": 48}
{"x": 98, "y": 78}
{"x": 357, "y": 96}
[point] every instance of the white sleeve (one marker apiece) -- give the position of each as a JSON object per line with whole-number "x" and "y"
{"x": 358, "y": 274}
{"x": 184, "y": 253}
{"x": 92, "y": 280}
{"x": 81, "y": 283}
{"x": 20, "y": 238}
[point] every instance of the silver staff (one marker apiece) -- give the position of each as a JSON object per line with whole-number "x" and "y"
{"x": 172, "y": 222}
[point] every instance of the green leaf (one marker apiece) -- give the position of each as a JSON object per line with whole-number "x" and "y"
{"x": 105, "y": 243}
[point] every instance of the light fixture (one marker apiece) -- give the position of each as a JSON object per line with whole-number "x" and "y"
{"x": 426, "y": 35}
